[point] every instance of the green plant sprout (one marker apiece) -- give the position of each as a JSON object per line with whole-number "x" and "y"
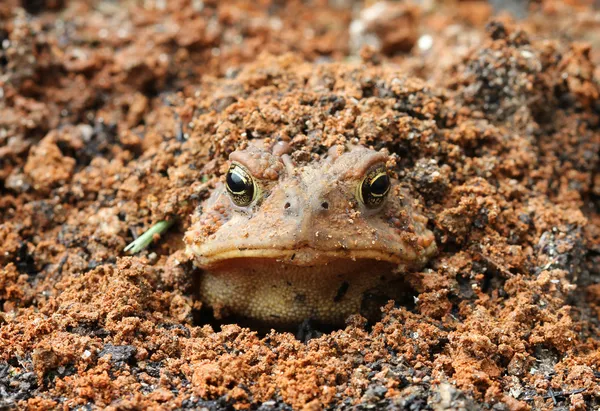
{"x": 145, "y": 239}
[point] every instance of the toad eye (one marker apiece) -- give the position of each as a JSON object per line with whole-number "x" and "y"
{"x": 374, "y": 187}
{"x": 240, "y": 185}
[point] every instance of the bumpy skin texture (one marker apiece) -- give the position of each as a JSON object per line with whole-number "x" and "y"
{"x": 307, "y": 247}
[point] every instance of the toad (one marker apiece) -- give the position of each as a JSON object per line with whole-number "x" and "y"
{"x": 286, "y": 238}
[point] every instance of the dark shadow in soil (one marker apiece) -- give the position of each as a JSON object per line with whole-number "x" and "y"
{"x": 306, "y": 331}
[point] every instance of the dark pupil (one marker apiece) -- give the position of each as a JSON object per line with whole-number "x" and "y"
{"x": 380, "y": 185}
{"x": 236, "y": 182}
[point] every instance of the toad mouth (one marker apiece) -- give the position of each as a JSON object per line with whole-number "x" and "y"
{"x": 301, "y": 256}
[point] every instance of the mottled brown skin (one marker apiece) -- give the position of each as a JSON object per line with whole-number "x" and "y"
{"x": 307, "y": 247}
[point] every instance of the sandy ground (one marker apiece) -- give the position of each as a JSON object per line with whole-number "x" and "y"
{"x": 117, "y": 115}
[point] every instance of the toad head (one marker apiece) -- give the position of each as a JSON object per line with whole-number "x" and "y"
{"x": 282, "y": 240}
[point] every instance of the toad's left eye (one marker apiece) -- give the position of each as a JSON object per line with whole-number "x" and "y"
{"x": 374, "y": 187}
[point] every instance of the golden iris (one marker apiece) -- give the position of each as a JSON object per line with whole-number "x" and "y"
{"x": 374, "y": 187}
{"x": 240, "y": 185}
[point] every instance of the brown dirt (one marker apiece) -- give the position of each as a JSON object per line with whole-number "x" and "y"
{"x": 115, "y": 115}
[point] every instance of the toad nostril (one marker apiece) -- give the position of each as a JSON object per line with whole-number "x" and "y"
{"x": 287, "y": 205}
{"x": 325, "y": 205}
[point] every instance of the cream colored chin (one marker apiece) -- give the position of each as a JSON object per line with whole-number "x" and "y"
{"x": 273, "y": 292}
{"x": 300, "y": 257}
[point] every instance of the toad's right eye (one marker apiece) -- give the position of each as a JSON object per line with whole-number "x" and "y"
{"x": 240, "y": 185}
